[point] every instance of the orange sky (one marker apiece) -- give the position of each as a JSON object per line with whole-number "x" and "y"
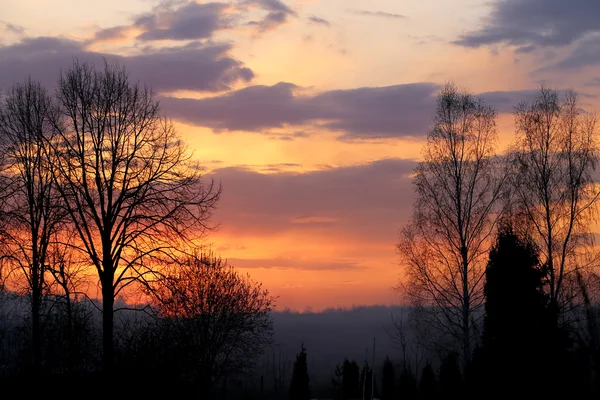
{"x": 311, "y": 112}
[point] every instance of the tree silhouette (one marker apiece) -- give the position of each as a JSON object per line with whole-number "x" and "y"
{"x": 451, "y": 383}
{"x": 428, "y": 383}
{"x": 444, "y": 246}
{"x": 388, "y": 380}
{"x": 351, "y": 380}
{"x": 407, "y": 384}
{"x": 518, "y": 327}
{"x": 337, "y": 382}
{"x": 126, "y": 180}
{"x": 553, "y": 192}
{"x": 31, "y": 211}
{"x": 213, "y": 321}
{"x": 299, "y": 386}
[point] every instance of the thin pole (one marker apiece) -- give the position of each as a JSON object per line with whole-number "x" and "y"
{"x": 373, "y": 372}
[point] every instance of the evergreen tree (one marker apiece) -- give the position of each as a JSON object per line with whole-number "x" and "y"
{"x": 407, "y": 385}
{"x": 337, "y": 382}
{"x": 428, "y": 383}
{"x": 299, "y": 387}
{"x": 351, "y": 388}
{"x": 450, "y": 377}
{"x": 518, "y": 325}
{"x": 388, "y": 378}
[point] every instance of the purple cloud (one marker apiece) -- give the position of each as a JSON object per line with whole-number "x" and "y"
{"x": 319, "y": 21}
{"x": 278, "y": 14}
{"x": 366, "y": 113}
{"x": 585, "y": 54}
{"x": 191, "y": 21}
{"x": 369, "y": 201}
{"x": 530, "y": 24}
{"x": 362, "y": 113}
{"x": 271, "y": 5}
{"x": 192, "y": 67}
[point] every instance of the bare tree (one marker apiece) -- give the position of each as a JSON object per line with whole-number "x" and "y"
{"x": 128, "y": 183}
{"x": 32, "y": 211}
{"x": 445, "y": 245}
{"x": 553, "y": 192}
{"x": 403, "y": 337}
{"x": 217, "y": 321}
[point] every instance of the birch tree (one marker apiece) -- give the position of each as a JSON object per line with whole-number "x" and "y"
{"x": 444, "y": 247}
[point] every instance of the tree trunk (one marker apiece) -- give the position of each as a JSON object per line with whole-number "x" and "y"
{"x": 466, "y": 308}
{"x": 36, "y": 328}
{"x": 108, "y": 347}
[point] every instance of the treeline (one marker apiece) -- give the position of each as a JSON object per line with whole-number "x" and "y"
{"x": 499, "y": 259}
{"x": 99, "y": 198}
{"x": 520, "y": 352}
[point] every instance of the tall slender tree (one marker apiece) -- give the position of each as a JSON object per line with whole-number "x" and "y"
{"x": 299, "y": 387}
{"x": 129, "y": 186}
{"x": 554, "y": 195}
{"x": 388, "y": 380}
{"x": 444, "y": 247}
{"x": 32, "y": 211}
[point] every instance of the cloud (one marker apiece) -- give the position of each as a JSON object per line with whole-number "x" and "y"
{"x": 380, "y": 14}
{"x": 369, "y": 201}
{"x": 191, "y": 21}
{"x": 272, "y": 21}
{"x": 278, "y": 14}
{"x": 585, "y": 54}
{"x": 12, "y": 28}
{"x": 363, "y": 113}
{"x": 114, "y": 33}
{"x": 505, "y": 101}
{"x": 271, "y": 5}
{"x": 185, "y": 20}
{"x": 295, "y": 263}
{"x": 530, "y": 24}
{"x": 319, "y": 21}
{"x": 191, "y": 67}
{"x": 594, "y": 82}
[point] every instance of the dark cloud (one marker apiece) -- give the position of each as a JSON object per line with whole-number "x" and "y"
{"x": 191, "y": 21}
{"x": 393, "y": 111}
{"x": 505, "y": 101}
{"x": 278, "y": 14}
{"x": 380, "y": 14}
{"x": 271, "y": 21}
{"x": 369, "y": 201}
{"x": 585, "y": 54}
{"x": 320, "y": 21}
{"x": 271, "y": 5}
{"x": 529, "y": 24}
{"x": 363, "y": 113}
{"x": 192, "y": 67}
{"x": 294, "y": 263}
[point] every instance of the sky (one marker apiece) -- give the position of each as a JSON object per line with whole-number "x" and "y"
{"x": 312, "y": 114}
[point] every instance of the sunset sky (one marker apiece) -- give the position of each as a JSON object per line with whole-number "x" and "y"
{"x": 312, "y": 113}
